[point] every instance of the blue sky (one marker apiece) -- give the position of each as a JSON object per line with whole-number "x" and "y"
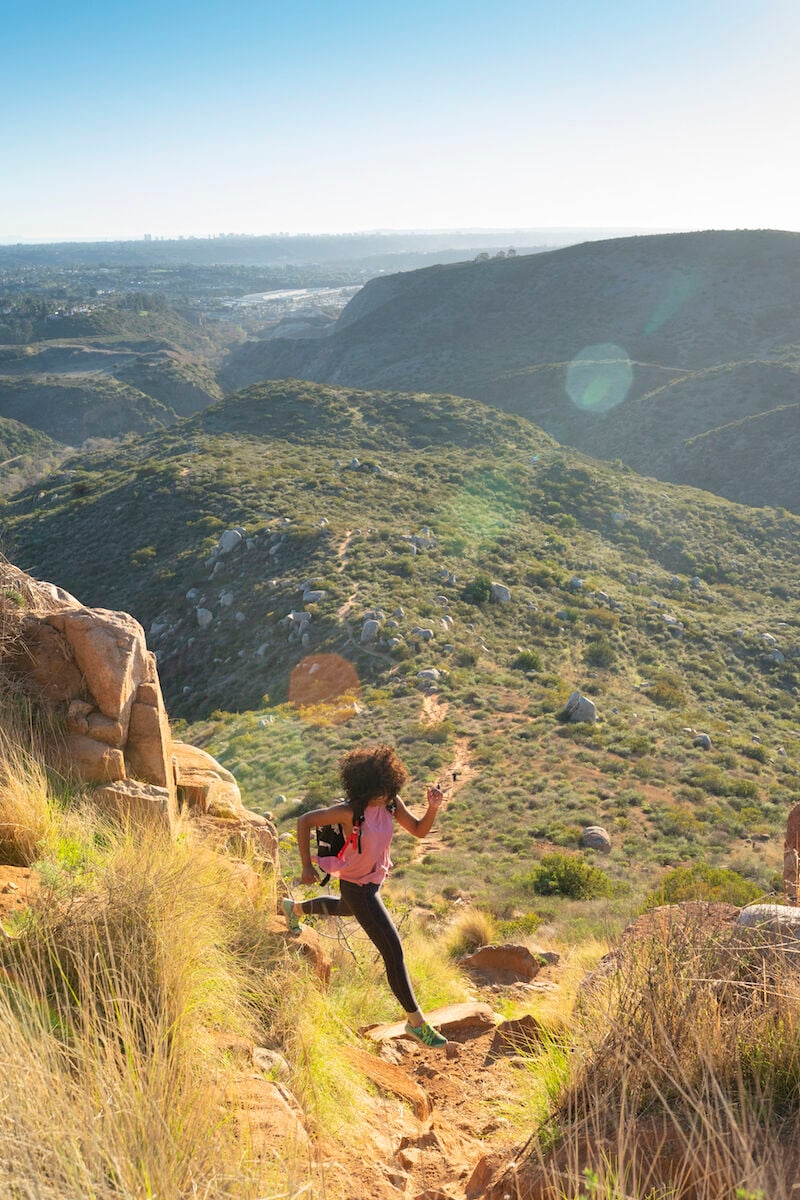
{"x": 192, "y": 118}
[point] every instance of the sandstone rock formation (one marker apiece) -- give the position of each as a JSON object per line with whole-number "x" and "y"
{"x": 502, "y": 964}
{"x": 92, "y": 666}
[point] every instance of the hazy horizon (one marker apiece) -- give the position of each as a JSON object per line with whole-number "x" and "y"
{"x": 176, "y": 119}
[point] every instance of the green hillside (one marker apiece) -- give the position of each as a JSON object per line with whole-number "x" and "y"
{"x": 674, "y": 610}
{"x": 626, "y": 348}
{"x": 72, "y": 408}
{"x": 25, "y": 455}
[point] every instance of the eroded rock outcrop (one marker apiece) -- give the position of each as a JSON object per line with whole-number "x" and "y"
{"x": 92, "y": 666}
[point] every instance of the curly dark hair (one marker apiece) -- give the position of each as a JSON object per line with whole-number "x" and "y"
{"x": 371, "y": 772}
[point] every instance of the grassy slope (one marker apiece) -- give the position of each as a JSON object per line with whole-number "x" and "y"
{"x": 72, "y": 408}
{"x": 137, "y": 530}
{"x": 25, "y": 455}
{"x": 677, "y": 306}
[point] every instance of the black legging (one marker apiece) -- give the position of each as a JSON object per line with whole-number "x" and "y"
{"x": 362, "y": 901}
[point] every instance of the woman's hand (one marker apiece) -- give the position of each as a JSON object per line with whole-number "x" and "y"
{"x": 309, "y": 874}
{"x": 435, "y": 796}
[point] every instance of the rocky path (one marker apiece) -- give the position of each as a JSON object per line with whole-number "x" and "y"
{"x": 435, "y": 1129}
{"x": 459, "y": 771}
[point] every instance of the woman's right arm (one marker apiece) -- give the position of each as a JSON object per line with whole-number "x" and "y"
{"x": 337, "y": 814}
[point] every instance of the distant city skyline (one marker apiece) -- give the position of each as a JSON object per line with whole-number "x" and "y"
{"x": 179, "y": 119}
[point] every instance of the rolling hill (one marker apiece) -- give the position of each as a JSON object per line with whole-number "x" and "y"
{"x": 259, "y": 538}
{"x": 660, "y": 351}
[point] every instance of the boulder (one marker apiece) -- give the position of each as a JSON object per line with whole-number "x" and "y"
{"x": 500, "y": 593}
{"x": 702, "y": 741}
{"x": 129, "y": 800}
{"x": 229, "y": 541}
{"x": 205, "y": 785}
{"x": 595, "y": 837}
{"x": 110, "y": 650}
{"x": 204, "y": 617}
{"x": 771, "y": 918}
{"x": 502, "y": 964}
{"x": 149, "y": 748}
{"x": 104, "y": 729}
{"x": 369, "y": 631}
{"x": 580, "y": 708}
{"x": 84, "y": 760}
{"x": 469, "y": 1017}
{"x": 522, "y": 1033}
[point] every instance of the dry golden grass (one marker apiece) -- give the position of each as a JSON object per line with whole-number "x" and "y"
{"x": 685, "y": 1075}
{"x": 471, "y": 929}
{"x": 142, "y": 958}
{"x": 25, "y": 815}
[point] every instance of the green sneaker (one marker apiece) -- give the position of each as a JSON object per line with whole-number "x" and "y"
{"x": 425, "y": 1034}
{"x": 291, "y": 916}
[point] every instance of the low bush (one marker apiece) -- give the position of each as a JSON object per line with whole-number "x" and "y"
{"x": 702, "y": 882}
{"x": 568, "y": 875}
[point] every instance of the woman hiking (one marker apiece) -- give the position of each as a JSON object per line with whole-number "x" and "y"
{"x": 372, "y": 778}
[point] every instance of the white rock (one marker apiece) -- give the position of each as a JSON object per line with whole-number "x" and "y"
{"x": 500, "y": 593}
{"x": 369, "y": 632}
{"x": 580, "y": 708}
{"x": 776, "y": 918}
{"x": 595, "y": 837}
{"x": 204, "y": 617}
{"x": 229, "y": 540}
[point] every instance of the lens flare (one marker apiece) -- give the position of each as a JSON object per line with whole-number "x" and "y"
{"x": 599, "y": 378}
{"x": 680, "y": 289}
{"x": 325, "y": 687}
{"x": 481, "y": 512}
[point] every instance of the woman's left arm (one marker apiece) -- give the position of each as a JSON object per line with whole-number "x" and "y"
{"x": 419, "y": 826}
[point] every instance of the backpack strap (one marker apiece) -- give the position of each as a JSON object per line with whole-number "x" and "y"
{"x": 354, "y": 838}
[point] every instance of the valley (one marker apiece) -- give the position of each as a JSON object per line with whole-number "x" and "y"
{"x": 677, "y": 354}
{"x": 320, "y": 565}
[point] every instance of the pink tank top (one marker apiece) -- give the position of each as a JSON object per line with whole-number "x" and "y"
{"x": 372, "y": 864}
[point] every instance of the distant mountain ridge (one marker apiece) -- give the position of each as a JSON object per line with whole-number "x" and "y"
{"x": 707, "y": 325}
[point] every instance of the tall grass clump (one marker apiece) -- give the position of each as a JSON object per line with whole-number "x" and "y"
{"x": 685, "y": 1078}
{"x": 25, "y": 807}
{"x": 110, "y": 1001}
{"x": 125, "y": 983}
{"x": 470, "y": 930}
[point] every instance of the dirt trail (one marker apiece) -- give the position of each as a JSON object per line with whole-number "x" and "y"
{"x": 341, "y": 549}
{"x": 452, "y": 777}
{"x": 433, "y": 1157}
{"x": 435, "y": 1115}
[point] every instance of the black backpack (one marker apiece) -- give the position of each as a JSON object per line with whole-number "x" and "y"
{"x": 331, "y": 840}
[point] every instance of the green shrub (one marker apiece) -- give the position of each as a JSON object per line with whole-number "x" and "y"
{"x": 527, "y": 660}
{"x": 666, "y": 690}
{"x": 702, "y": 882}
{"x": 569, "y": 875}
{"x": 478, "y": 590}
{"x": 599, "y": 653}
